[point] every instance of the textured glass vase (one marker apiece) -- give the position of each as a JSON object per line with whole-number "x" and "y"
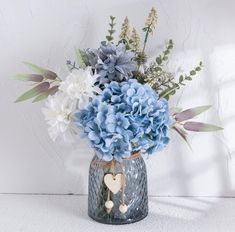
{"x": 135, "y": 192}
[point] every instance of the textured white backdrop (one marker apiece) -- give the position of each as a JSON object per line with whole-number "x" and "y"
{"x": 45, "y": 32}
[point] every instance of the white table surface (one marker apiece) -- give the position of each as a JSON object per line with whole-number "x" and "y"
{"x": 68, "y": 213}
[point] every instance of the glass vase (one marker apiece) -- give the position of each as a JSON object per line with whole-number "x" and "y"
{"x": 134, "y": 192}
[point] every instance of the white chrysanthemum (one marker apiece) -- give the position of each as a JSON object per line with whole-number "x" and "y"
{"x": 58, "y": 113}
{"x": 79, "y": 85}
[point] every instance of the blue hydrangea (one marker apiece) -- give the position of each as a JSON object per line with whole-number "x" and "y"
{"x": 111, "y": 62}
{"x": 125, "y": 118}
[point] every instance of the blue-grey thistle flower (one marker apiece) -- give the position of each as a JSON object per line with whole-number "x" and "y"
{"x": 111, "y": 62}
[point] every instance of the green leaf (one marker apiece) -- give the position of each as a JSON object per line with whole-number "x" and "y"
{"x": 45, "y": 94}
{"x": 173, "y": 92}
{"x": 165, "y": 58}
{"x": 176, "y": 86}
{"x": 181, "y": 78}
{"x": 28, "y": 77}
{"x": 165, "y": 94}
{"x": 166, "y": 52}
{"x": 158, "y": 69}
{"x": 191, "y": 113}
{"x": 109, "y": 38}
{"x": 80, "y": 58}
{"x": 34, "y": 92}
{"x": 39, "y": 70}
{"x": 111, "y": 31}
{"x": 170, "y": 44}
{"x": 192, "y": 73}
{"x": 201, "y": 127}
{"x": 40, "y": 97}
{"x": 158, "y": 60}
{"x": 35, "y": 68}
{"x": 50, "y": 75}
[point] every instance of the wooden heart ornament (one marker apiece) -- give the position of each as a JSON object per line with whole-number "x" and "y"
{"x": 114, "y": 183}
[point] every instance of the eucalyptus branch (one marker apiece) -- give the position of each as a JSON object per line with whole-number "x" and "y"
{"x": 111, "y": 31}
{"x": 164, "y": 56}
{"x": 181, "y": 82}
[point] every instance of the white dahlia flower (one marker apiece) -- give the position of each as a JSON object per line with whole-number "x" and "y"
{"x": 58, "y": 112}
{"x": 79, "y": 85}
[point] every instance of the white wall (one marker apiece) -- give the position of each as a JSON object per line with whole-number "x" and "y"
{"x": 45, "y": 32}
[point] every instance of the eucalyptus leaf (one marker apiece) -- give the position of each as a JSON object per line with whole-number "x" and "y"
{"x": 45, "y": 94}
{"x": 42, "y": 71}
{"x": 192, "y": 73}
{"x": 41, "y": 97}
{"x": 201, "y": 127}
{"x": 50, "y": 75}
{"x": 35, "y": 68}
{"x": 34, "y": 92}
{"x": 181, "y": 78}
{"x": 158, "y": 60}
{"x": 191, "y": 113}
{"x": 28, "y": 77}
{"x": 80, "y": 58}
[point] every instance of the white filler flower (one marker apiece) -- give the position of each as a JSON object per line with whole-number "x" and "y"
{"x": 79, "y": 85}
{"x": 58, "y": 113}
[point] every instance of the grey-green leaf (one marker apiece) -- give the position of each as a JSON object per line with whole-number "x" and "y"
{"x": 28, "y": 77}
{"x": 80, "y": 58}
{"x": 50, "y": 75}
{"x": 201, "y": 127}
{"x": 42, "y": 71}
{"x": 158, "y": 60}
{"x": 191, "y": 113}
{"x": 33, "y": 92}
{"x": 35, "y": 68}
{"x": 45, "y": 94}
{"x": 181, "y": 78}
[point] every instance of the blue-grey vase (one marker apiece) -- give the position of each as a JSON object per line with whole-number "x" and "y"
{"x": 135, "y": 192}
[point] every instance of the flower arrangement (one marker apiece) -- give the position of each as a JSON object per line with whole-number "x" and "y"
{"x": 115, "y": 97}
{"x": 114, "y": 89}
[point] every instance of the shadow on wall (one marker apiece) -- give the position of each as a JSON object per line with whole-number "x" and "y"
{"x": 209, "y": 211}
{"x": 208, "y": 170}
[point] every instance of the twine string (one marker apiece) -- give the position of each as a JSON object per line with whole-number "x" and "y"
{"x": 113, "y": 162}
